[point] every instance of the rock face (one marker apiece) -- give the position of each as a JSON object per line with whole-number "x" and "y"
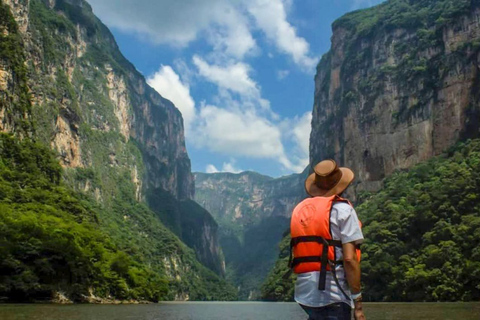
{"x": 394, "y": 90}
{"x": 253, "y": 212}
{"x": 64, "y": 82}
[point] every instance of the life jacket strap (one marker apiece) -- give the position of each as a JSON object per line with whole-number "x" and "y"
{"x": 313, "y": 259}
{"x": 322, "y": 240}
{"x": 326, "y": 243}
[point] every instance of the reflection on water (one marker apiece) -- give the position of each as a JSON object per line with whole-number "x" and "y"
{"x": 231, "y": 310}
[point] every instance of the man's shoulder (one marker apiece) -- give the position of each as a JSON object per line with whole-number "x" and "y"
{"x": 343, "y": 206}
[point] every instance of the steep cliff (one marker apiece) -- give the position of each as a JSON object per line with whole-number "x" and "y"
{"x": 253, "y": 212}
{"x": 64, "y": 83}
{"x": 399, "y": 86}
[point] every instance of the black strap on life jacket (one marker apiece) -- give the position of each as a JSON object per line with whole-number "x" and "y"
{"x": 323, "y": 259}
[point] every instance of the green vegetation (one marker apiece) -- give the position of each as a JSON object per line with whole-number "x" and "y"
{"x": 50, "y": 239}
{"x": 280, "y": 283}
{"x": 56, "y": 240}
{"x": 422, "y": 234}
{"x": 423, "y": 231}
{"x": 250, "y": 260}
{"x": 406, "y": 14}
{"x": 16, "y": 100}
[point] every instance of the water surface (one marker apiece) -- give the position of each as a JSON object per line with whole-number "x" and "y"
{"x": 231, "y": 310}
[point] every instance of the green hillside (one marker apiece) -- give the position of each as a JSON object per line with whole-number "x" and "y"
{"x": 50, "y": 239}
{"x": 55, "y": 240}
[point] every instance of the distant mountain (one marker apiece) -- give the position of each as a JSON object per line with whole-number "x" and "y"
{"x": 253, "y": 212}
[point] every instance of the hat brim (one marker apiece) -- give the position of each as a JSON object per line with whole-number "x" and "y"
{"x": 313, "y": 190}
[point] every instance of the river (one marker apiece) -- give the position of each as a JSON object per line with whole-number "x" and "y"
{"x": 230, "y": 310}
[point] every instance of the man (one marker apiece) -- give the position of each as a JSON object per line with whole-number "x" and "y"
{"x": 326, "y": 234}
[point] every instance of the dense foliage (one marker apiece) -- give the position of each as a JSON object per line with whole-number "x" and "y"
{"x": 280, "y": 283}
{"x": 49, "y": 237}
{"x": 16, "y": 100}
{"x": 423, "y": 231}
{"x": 407, "y": 14}
{"x": 250, "y": 260}
{"x": 422, "y": 234}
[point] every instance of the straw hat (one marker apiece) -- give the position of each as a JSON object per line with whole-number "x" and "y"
{"x": 328, "y": 179}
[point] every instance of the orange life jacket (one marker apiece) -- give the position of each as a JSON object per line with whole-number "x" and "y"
{"x": 311, "y": 237}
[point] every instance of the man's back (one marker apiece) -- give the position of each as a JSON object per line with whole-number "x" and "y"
{"x": 344, "y": 226}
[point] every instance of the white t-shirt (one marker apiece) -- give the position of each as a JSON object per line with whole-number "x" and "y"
{"x": 344, "y": 227}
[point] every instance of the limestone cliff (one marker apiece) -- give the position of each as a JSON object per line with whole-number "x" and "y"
{"x": 64, "y": 82}
{"x": 253, "y": 212}
{"x": 399, "y": 85}
{"x": 80, "y": 83}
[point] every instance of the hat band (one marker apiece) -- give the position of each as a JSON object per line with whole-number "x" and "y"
{"x": 330, "y": 181}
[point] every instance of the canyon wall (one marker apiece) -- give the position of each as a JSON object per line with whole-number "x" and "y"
{"x": 399, "y": 86}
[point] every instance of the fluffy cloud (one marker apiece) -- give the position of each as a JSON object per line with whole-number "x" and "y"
{"x": 181, "y": 22}
{"x": 301, "y": 132}
{"x": 227, "y": 25}
{"x": 236, "y": 133}
{"x": 271, "y": 17}
{"x": 240, "y": 133}
{"x": 168, "y": 84}
{"x": 211, "y": 169}
{"x": 227, "y": 167}
{"x": 237, "y": 121}
{"x": 233, "y": 77}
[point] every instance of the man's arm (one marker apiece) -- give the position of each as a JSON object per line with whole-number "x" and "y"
{"x": 352, "y": 272}
{"x": 352, "y": 267}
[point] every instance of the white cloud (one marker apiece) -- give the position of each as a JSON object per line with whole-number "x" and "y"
{"x": 233, "y": 77}
{"x": 211, "y": 169}
{"x": 271, "y": 17}
{"x": 180, "y": 22}
{"x": 231, "y": 167}
{"x": 227, "y": 25}
{"x": 227, "y": 167}
{"x": 240, "y": 133}
{"x": 235, "y": 133}
{"x": 166, "y": 82}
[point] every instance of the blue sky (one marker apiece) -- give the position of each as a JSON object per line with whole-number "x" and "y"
{"x": 241, "y": 72}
